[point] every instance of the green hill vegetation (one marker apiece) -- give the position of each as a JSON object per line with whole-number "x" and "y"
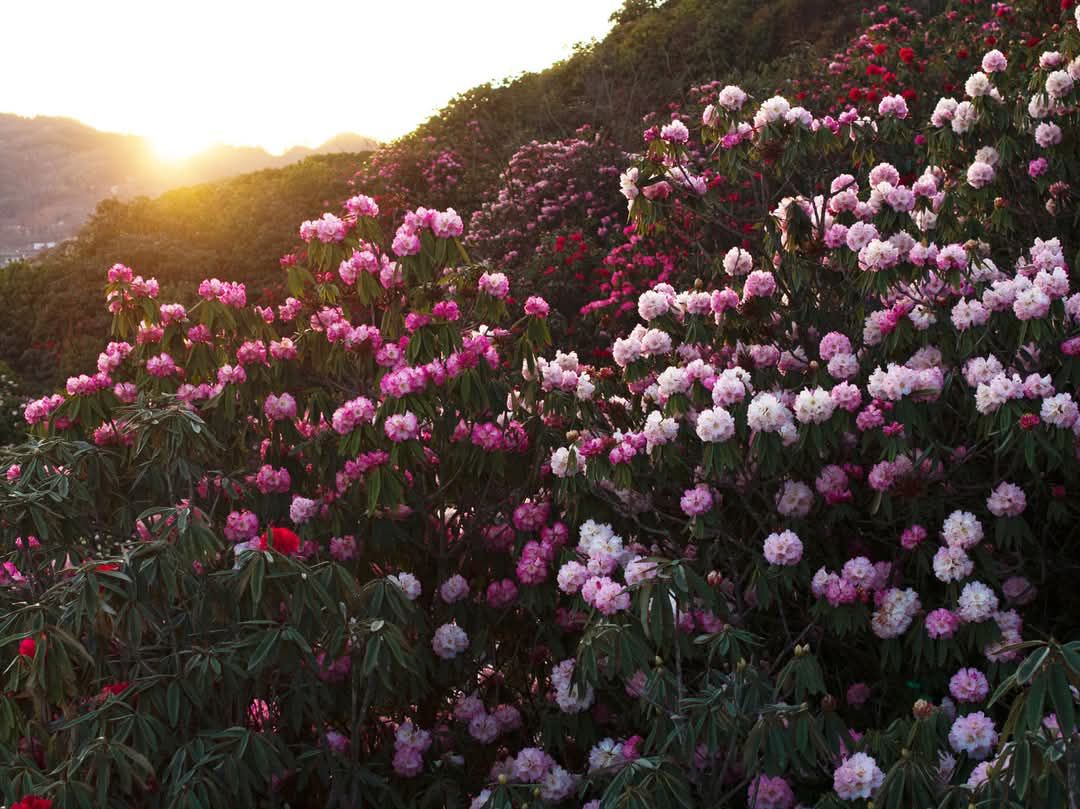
{"x": 57, "y": 313}
{"x": 54, "y": 171}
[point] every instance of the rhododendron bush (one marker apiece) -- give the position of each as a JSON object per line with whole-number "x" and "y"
{"x": 802, "y": 533}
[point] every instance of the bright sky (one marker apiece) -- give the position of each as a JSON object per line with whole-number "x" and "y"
{"x": 272, "y": 73}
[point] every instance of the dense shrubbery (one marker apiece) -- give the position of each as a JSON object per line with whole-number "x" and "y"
{"x": 782, "y": 514}
{"x": 12, "y": 426}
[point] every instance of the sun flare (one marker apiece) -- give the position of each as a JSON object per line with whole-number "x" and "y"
{"x": 178, "y": 144}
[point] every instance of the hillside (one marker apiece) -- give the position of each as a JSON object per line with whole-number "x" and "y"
{"x": 53, "y": 171}
{"x": 185, "y": 234}
{"x": 722, "y": 459}
{"x": 655, "y": 53}
{"x": 646, "y": 66}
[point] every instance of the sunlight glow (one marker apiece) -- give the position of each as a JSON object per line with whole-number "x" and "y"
{"x": 178, "y": 144}
{"x": 273, "y": 73}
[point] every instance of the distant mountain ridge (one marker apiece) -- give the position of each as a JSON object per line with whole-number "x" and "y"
{"x": 53, "y": 171}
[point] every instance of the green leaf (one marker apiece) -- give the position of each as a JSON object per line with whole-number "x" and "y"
{"x": 1062, "y": 699}
{"x": 1031, "y": 664}
{"x": 1033, "y": 706}
{"x": 263, "y": 650}
{"x": 1021, "y": 769}
{"x": 172, "y": 700}
{"x": 1071, "y": 653}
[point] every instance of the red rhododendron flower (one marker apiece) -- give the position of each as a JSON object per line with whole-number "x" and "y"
{"x": 907, "y": 55}
{"x": 33, "y": 802}
{"x": 116, "y": 689}
{"x": 27, "y": 647}
{"x": 282, "y": 540}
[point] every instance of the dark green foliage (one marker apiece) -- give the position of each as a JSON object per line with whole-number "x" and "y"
{"x": 11, "y": 399}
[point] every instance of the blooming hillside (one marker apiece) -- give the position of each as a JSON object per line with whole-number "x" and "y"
{"x": 652, "y": 56}
{"x": 738, "y": 471}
